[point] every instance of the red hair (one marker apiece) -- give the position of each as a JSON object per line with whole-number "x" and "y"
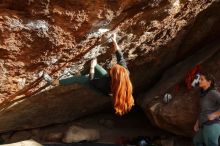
{"x": 121, "y": 89}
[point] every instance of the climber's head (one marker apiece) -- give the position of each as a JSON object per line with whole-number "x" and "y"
{"x": 121, "y": 89}
{"x": 206, "y": 81}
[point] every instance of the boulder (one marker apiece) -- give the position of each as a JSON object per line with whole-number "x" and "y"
{"x": 60, "y": 37}
{"x": 59, "y": 105}
{"x": 179, "y": 115}
{"x": 78, "y": 134}
{"x": 24, "y": 143}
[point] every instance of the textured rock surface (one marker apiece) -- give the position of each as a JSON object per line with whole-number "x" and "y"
{"x": 78, "y": 134}
{"x": 59, "y": 105}
{"x": 24, "y": 143}
{"x": 59, "y": 35}
{"x": 179, "y": 115}
{"x": 44, "y": 34}
{"x": 111, "y": 128}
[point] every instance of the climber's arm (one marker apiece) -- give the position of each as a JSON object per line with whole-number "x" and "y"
{"x": 119, "y": 54}
{"x": 97, "y": 71}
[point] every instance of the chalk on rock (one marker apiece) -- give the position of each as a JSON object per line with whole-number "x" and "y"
{"x": 48, "y": 78}
{"x": 45, "y": 76}
{"x": 103, "y": 30}
{"x": 41, "y": 73}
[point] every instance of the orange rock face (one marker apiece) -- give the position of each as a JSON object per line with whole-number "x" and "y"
{"x": 57, "y": 36}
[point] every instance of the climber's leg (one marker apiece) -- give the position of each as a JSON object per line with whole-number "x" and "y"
{"x": 83, "y": 79}
{"x": 100, "y": 71}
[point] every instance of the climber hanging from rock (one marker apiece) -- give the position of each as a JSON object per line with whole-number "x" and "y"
{"x": 116, "y": 83}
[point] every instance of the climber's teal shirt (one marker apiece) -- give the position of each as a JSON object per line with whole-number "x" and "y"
{"x": 101, "y": 81}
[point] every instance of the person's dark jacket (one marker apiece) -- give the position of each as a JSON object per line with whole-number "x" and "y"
{"x": 209, "y": 103}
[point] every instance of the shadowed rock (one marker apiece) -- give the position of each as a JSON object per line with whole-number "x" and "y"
{"x": 58, "y": 105}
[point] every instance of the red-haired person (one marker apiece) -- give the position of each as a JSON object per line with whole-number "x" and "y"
{"x": 116, "y": 83}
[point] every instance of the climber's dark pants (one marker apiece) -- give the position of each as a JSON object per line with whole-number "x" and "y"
{"x": 84, "y": 79}
{"x": 207, "y": 135}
